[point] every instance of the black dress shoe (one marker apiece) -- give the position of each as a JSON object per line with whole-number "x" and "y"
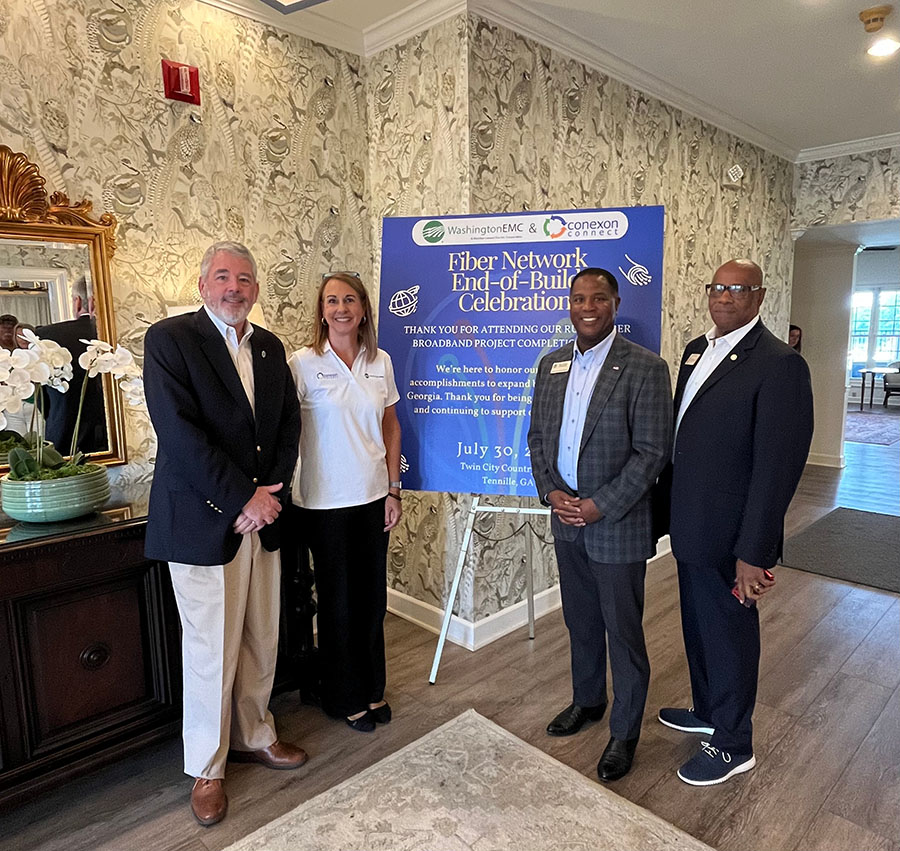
{"x": 616, "y": 759}
{"x": 573, "y": 718}
{"x": 364, "y": 724}
{"x": 382, "y": 714}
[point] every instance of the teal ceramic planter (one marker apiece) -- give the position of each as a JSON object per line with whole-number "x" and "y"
{"x": 55, "y": 499}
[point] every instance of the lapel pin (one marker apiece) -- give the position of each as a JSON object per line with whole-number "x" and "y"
{"x": 615, "y": 367}
{"x": 734, "y": 357}
{"x": 263, "y": 353}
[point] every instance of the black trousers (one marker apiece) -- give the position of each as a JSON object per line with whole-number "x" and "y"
{"x": 604, "y": 603}
{"x": 721, "y": 640}
{"x": 349, "y": 551}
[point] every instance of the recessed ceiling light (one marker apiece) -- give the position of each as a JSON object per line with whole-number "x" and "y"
{"x": 886, "y": 46}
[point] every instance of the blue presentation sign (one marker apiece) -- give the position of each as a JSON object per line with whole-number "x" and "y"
{"x": 470, "y": 304}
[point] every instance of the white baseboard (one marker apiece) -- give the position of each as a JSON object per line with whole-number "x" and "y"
{"x": 472, "y": 636}
{"x": 819, "y": 459}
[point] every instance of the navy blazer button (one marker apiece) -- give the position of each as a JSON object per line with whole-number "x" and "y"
{"x": 259, "y": 449}
{"x": 254, "y": 480}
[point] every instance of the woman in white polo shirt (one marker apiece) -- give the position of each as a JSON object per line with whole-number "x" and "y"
{"x": 347, "y": 490}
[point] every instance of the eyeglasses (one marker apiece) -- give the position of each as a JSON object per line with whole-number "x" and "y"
{"x": 736, "y": 290}
{"x": 328, "y": 275}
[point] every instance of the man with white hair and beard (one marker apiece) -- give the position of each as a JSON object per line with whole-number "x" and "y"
{"x": 225, "y": 410}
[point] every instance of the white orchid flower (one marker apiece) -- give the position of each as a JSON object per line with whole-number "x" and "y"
{"x": 100, "y": 358}
{"x": 23, "y": 358}
{"x": 132, "y": 390}
{"x": 20, "y": 382}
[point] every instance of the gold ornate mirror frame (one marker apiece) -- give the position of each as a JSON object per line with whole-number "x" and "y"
{"x": 27, "y": 213}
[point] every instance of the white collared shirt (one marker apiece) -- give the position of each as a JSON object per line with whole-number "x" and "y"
{"x": 342, "y": 453}
{"x": 583, "y": 373}
{"x": 241, "y": 354}
{"x": 716, "y": 351}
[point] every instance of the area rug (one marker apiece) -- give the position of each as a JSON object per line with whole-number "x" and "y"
{"x": 878, "y": 427}
{"x": 469, "y": 785}
{"x": 858, "y": 546}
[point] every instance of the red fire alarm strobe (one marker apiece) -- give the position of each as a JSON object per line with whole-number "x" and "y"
{"x": 181, "y": 82}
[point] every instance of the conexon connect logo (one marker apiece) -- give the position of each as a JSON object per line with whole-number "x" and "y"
{"x": 554, "y": 227}
{"x": 433, "y": 232}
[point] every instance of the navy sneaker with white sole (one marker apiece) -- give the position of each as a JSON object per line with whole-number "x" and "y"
{"x": 711, "y": 765}
{"x": 684, "y": 720}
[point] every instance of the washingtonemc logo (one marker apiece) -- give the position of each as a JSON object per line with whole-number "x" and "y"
{"x": 433, "y": 232}
{"x": 557, "y": 230}
{"x": 550, "y": 226}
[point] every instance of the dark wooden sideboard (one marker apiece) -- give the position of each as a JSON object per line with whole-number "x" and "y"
{"x": 90, "y": 649}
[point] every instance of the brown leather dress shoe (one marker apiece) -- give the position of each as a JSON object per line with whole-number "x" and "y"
{"x": 208, "y": 801}
{"x": 279, "y": 755}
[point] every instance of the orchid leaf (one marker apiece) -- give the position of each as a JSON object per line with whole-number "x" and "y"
{"x": 22, "y": 464}
{"x": 51, "y": 458}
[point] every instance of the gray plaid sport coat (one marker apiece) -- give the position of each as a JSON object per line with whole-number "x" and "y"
{"x": 625, "y": 444}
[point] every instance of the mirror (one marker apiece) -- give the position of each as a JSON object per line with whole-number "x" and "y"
{"x": 54, "y": 276}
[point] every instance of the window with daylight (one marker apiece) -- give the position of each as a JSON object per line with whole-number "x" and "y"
{"x": 874, "y": 328}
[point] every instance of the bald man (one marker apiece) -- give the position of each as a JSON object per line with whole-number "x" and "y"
{"x": 743, "y": 425}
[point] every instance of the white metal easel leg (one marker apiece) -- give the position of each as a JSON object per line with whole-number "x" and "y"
{"x": 454, "y": 588}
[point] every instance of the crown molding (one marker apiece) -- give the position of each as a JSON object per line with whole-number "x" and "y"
{"x": 409, "y": 22}
{"x": 526, "y": 22}
{"x": 844, "y": 149}
{"x": 306, "y": 23}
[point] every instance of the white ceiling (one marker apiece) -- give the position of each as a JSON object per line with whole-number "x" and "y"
{"x": 790, "y": 75}
{"x": 869, "y": 234}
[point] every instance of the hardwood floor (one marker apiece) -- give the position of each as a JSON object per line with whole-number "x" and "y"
{"x": 827, "y": 722}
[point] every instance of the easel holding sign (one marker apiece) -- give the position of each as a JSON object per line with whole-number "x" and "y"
{"x": 475, "y": 509}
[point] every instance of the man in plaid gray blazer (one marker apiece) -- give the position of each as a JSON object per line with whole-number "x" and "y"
{"x": 601, "y": 424}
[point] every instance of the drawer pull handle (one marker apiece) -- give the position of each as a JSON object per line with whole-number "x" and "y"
{"x": 95, "y": 656}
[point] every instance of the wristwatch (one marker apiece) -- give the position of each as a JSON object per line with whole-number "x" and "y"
{"x": 395, "y": 484}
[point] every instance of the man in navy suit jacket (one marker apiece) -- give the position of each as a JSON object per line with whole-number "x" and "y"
{"x": 227, "y": 420}
{"x": 744, "y": 422}
{"x": 601, "y": 429}
{"x": 61, "y": 409}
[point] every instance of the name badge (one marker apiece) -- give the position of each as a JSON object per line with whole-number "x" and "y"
{"x": 692, "y": 359}
{"x": 560, "y": 366}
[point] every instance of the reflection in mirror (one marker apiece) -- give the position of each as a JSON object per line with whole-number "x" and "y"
{"x": 36, "y": 279}
{"x": 54, "y": 277}
{"x": 46, "y": 286}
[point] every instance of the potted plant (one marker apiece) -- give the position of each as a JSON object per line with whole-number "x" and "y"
{"x": 42, "y": 485}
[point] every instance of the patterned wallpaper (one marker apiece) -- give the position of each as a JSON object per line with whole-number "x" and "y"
{"x": 856, "y": 188}
{"x": 275, "y": 156}
{"x": 549, "y": 132}
{"x": 419, "y": 165}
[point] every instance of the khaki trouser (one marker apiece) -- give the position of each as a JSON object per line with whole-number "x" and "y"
{"x": 229, "y": 617}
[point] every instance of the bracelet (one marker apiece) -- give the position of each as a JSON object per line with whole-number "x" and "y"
{"x": 396, "y": 496}
{"x": 395, "y": 484}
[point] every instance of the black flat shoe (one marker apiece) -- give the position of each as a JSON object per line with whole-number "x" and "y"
{"x": 616, "y": 759}
{"x": 573, "y": 718}
{"x": 364, "y": 724}
{"x": 381, "y": 714}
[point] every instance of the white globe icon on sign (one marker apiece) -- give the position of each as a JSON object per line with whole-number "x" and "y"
{"x": 404, "y": 302}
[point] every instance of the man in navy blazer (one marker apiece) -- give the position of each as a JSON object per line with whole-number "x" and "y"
{"x": 600, "y": 434}
{"x": 227, "y": 421}
{"x": 744, "y": 422}
{"x": 61, "y": 409}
